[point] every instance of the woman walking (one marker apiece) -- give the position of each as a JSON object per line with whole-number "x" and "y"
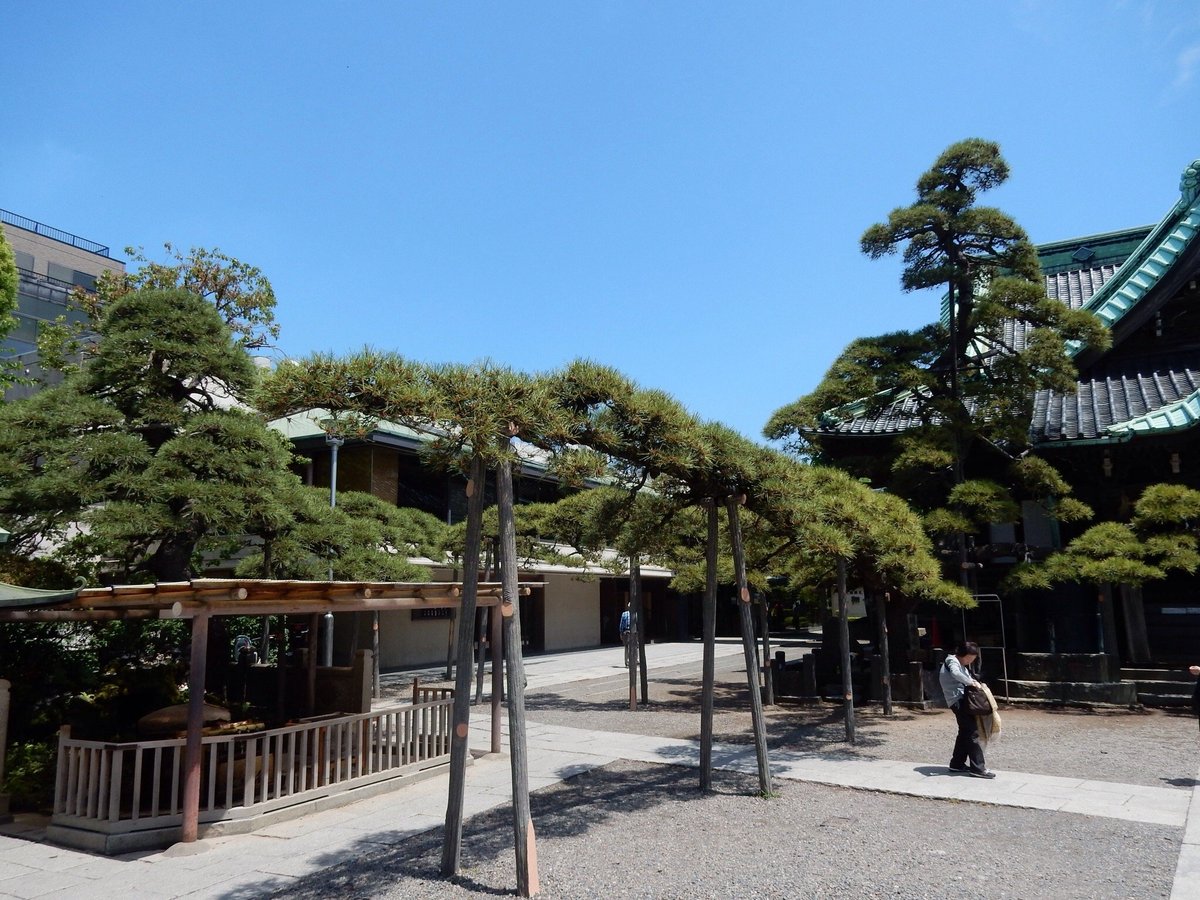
{"x": 954, "y": 678}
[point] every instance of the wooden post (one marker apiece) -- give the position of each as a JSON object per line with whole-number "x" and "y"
{"x": 708, "y": 679}
{"x": 314, "y": 635}
{"x": 486, "y": 615}
{"x": 461, "y": 717}
{"x": 376, "y": 687}
{"x": 195, "y": 725}
{"x": 885, "y": 652}
{"x": 844, "y": 634}
{"x": 525, "y": 841}
{"x": 4, "y": 704}
{"x": 497, "y": 643}
{"x": 635, "y": 576}
{"x": 768, "y": 666}
{"x": 633, "y": 640}
{"x": 749, "y": 646}
{"x": 481, "y": 630}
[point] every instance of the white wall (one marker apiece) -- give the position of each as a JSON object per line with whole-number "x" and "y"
{"x": 572, "y": 612}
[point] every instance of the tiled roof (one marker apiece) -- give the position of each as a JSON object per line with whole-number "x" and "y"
{"x": 1074, "y": 288}
{"x": 1109, "y": 406}
{"x": 1107, "y": 274}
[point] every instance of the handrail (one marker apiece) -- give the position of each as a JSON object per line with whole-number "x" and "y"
{"x": 11, "y": 218}
{"x": 112, "y": 787}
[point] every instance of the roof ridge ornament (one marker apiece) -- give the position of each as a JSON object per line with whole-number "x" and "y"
{"x": 1189, "y": 183}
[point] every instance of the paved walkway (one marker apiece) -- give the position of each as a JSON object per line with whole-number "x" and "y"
{"x": 268, "y": 860}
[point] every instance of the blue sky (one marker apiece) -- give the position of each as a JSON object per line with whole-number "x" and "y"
{"x": 673, "y": 189}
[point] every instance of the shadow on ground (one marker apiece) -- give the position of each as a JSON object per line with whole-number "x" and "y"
{"x": 399, "y": 864}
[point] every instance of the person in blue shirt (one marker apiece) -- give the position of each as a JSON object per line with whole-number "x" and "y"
{"x": 954, "y": 677}
{"x": 625, "y": 624}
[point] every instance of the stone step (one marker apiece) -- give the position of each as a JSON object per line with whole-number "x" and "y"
{"x": 1162, "y": 701}
{"x": 1118, "y": 693}
{"x": 1166, "y": 688}
{"x": 1172, "y": 675}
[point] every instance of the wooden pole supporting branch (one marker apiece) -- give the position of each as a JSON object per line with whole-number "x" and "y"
{"x": 195, "y": 725}
{"x": 461, "y": 716}
{"x": 496, "y": 640}
{"x": 844, "y": 634}
{"x": 749, "y": 645}
{"x": 525, "y": 841}
{"x": 635, "y": 573}
{"x": 633, "y": 639}
{"x": 708, "y": 679}
{"x": 768, "y": 668}
{"x": 885, "y": 652}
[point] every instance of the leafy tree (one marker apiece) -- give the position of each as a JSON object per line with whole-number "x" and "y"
{"x": 239, "y": 292}
{"x": 964, "y": 383}
{"x": 362, "y": 539}
{"x": 9, "y": 281}
{"x": 143, "y": 445}
{"x": 1162, "y": 538}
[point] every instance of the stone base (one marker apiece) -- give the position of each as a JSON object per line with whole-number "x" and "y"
{"x": 1114, "y": 693}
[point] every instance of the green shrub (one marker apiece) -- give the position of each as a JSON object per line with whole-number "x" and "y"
{"x": 29, "y": 776}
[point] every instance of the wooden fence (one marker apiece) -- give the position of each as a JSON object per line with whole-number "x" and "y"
{"x": 117, "y": 788}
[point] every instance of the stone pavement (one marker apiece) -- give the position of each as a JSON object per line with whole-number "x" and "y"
{"x": 270, "y": 859}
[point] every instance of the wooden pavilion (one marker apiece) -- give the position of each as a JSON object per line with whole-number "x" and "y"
{"x": 116, "y": 797}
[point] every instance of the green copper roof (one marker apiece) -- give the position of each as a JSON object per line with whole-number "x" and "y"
{"x": 1153, "y": 257}
{"x": 14, "y": 596}
{"x": 1176, "y": 416}
{"x": 1092, "y": 250}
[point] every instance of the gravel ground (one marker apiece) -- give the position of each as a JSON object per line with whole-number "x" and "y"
{"x": 1151, "y": 747}
{"x": 638, "y": 830}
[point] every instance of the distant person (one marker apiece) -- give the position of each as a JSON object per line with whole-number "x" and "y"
{"x": 1195, "y": 670}
{"x": 954, "y": 678}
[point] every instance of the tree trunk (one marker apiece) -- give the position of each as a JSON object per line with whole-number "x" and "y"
{"x": 524, "y": 838}
{"x": 1136, "y": 637}
{"x": 461, "y": 716}
{"x": 708, "y": 678}
{"x": 749, "y": 647}
{"x": 844, "y": 634}
{"x": 885, "y": 652}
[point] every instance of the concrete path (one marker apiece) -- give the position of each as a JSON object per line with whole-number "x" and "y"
{"x": 269, "y": 860}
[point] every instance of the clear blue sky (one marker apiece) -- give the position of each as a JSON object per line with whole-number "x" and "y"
{"x": 674, "y": 189}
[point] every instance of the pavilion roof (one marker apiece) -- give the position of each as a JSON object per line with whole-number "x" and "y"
{"x": 234, "y": 596}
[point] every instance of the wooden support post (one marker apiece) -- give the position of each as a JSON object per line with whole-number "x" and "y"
{"x": 5, "y": 685}
{"x": 195, "y": 725}
{"x": 376, "y": 688}
{"x": 481, "y": 652}
{"x": 525, "y": 841}
{"x": 749, "y": 646}
{"x": 314, "y": 641}
{"x": 634, "y": 638}
{"x": 708, "y": 679}
{"x": 497, "y": 643}
{"x": 461, "y": 718}
{"x": 885, "y": 652}
{"x": 768, "y": 666}
{"x": 844, "y": 634}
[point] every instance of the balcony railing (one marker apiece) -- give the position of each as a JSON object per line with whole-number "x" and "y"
{"x": 11, "y": 218}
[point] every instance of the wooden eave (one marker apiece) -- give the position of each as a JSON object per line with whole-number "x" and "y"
{"x": 253, "y": 597}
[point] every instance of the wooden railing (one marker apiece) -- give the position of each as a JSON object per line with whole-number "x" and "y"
{"x": 130, "y": 787}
